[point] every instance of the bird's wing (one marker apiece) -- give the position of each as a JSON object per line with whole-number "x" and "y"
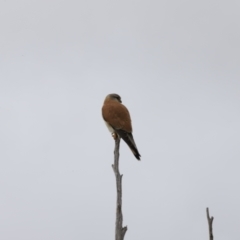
{"x": 117, "y": 116}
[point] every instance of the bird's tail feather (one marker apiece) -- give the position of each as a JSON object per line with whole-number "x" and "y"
{"x": 128, "y": 138}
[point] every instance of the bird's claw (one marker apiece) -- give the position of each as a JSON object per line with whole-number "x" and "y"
{"x": 114, "y": 135}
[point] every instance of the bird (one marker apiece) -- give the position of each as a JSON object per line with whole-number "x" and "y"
{"x": 118, "y": 121}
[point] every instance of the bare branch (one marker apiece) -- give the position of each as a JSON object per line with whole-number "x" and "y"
{"x": 119, "y": 230}
{"x": 210, "y": 222}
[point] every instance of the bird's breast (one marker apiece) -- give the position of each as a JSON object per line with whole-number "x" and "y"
{"x": 109, "y": 127}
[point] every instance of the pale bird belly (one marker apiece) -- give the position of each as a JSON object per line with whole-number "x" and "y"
{"x": 109, "y": 128}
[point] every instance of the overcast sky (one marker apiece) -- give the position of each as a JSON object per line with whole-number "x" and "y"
{"x": 176, "y": 66}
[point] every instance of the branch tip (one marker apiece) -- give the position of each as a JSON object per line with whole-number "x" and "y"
{"x": 210, "y": 222}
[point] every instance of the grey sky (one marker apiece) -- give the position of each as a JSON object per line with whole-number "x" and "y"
{"x": 176, "y": 66}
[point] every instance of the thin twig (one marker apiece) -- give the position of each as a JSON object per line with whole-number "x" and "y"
{"x": 210, "y": 223}
{"x": 119, "y": 230}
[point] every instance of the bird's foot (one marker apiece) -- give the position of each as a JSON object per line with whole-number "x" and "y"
{"x": 114, "y": 135}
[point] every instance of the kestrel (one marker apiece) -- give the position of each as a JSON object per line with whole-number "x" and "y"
{"x": 118, "y": 121}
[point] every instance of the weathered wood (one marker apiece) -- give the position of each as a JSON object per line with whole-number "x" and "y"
{"x": 119, "y": 229}
{"x": 210, "y": 222}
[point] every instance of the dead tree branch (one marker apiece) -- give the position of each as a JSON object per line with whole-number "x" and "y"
{"x": 210, "y": 222}
{"x": 119, "y": 230}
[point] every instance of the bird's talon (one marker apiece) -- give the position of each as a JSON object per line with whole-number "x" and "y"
{"x": 114, "y": 135}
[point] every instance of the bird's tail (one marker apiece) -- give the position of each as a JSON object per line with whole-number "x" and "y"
{"x": 128, "y": 138}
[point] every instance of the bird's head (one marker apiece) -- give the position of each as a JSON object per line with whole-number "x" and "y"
{"x": 114, "y": 96}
